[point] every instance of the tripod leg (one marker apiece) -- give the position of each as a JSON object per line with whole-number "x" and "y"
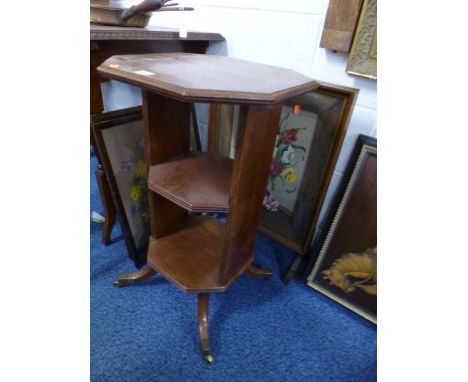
{"x": 203, "y": 326}
{"x": 135, "y": 277}
{"x": 258, "y": 272}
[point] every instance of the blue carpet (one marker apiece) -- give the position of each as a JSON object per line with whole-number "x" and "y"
{"x": 260, "y": 330}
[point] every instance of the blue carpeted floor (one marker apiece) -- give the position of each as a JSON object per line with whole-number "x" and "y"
{"x": 260, "y": 330}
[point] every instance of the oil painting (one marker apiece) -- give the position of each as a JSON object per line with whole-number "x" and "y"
{"x": 345, "y": 268}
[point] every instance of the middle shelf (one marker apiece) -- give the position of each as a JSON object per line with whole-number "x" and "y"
{"x": 196, "y": 181}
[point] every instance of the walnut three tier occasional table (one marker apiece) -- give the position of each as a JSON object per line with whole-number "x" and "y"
{"x": 190, "y": 248}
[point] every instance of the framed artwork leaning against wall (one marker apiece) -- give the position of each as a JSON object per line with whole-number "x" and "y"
{"x": 120, "y": 141}
{"x": 344, "y": 262}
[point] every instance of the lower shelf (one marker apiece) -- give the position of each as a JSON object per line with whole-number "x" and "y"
{"x": 191, "y": 257}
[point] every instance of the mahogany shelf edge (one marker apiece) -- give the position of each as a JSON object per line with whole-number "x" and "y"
{"x": 196, "y": 181}
{"x": 190, "y": 258}
{"x": 189, "y": 77}
{"x": 182, "y": 95}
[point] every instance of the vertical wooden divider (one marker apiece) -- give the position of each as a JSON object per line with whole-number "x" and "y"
{"x": 167, "y": 134}
{"x": 258, "y": 126}
{"x": 213, "y": 127}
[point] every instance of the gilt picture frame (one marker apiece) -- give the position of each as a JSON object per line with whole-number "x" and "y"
{"x": 362, "y": 60}
{"x": 344, "y": 262}
{"x": 311, "y": 133}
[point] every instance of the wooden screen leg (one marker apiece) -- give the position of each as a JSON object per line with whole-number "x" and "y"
{"x": 293, "y": 268}
{"x": 97, "y": 106}
{"x": 258, "y": 273}
{"x": 109, "y": 209}
{"x": 203, "y": 326}
{"x": 135, "y": 277}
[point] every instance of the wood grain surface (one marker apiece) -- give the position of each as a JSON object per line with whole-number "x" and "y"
{"x": 206, "y": 78}
{"x": 167, "y": 134}
{"x": 190, "y": 257}
{"x": 256, "y": 137}
{"x": 196, "y": 181}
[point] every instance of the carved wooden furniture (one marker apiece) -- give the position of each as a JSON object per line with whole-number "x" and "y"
{"x": 200, "y": 254}
{"x": 107, "y": 41}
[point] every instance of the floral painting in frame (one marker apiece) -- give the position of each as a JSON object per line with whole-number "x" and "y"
{"x": 120, "y": 141}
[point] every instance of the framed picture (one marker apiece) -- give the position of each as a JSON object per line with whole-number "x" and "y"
{"x": 362, "y": 59}
{"x": 346, "y": 256}
{"x": 120, "y": 141}
{"x": 311, "y": 132}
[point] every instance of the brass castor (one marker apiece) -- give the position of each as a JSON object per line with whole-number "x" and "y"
{"x": 122, "y": 280}
{"x": 208, "y": 357}
{"x": 205, "y": 348}
{"x": 268, "y": 273}
{"x": 119, "y": 283}
{"x": 133, "y": 278}
{"x": 259, "y": 273}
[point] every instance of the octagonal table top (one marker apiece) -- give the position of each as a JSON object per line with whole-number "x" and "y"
{"x": 206, "y": 78}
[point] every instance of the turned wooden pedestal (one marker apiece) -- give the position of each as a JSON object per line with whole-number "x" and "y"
{"x": 200, "y": 254}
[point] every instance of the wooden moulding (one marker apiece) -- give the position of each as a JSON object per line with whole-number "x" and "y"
{"x": 196, "y": 181}
{"x": 191, "y": 257}
{"x": 119, "y": 33}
